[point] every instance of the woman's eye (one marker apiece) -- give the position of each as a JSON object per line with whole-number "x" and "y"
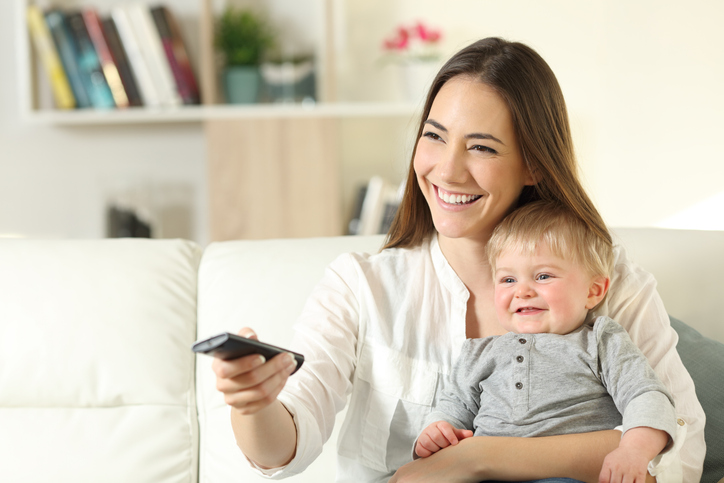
{"x": 431, "y": 135}
{"x": 484, "y": 149}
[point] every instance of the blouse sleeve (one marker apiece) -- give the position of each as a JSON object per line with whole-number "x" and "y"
{"x": 326, "y": 333}
{"x": 635, "y": 304}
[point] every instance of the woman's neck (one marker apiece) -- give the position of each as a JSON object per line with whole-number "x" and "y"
{"x": 467, "y": 257}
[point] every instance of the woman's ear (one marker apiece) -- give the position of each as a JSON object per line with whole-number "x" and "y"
{"x": 532, "y": 177}
{"x": 597, "y": 290}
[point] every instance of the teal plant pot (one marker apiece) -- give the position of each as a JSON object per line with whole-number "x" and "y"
{"x": 241, "y": 84}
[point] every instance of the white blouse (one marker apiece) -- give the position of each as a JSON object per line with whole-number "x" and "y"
{"x": 385, "y": 329}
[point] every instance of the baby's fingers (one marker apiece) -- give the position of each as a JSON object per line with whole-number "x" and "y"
{"x": 448, "y": 432}
{"x": 463, "y": 433}
{"x": 426, "y": 446}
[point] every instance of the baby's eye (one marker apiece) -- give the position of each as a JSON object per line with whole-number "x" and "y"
{"x": 544, "y": 276}
{"x": 507, "y": 280}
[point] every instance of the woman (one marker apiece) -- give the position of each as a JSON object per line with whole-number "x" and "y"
{"x": 383, "y": 330}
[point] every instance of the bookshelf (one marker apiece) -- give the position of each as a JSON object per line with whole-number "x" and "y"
{"x": 238, "y": 137}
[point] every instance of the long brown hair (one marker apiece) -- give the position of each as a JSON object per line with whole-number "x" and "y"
{"x": 540, "y": 118}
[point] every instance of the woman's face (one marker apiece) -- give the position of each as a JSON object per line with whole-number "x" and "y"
{"x": 468, "y": 162}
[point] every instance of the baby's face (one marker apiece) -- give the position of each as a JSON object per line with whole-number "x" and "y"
{"x": 542, "y": 293}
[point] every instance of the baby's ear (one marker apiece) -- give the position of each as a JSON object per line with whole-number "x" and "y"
{"x": 597, "y": 290}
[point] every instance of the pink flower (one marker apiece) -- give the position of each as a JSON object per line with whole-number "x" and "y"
{"x": 425, "y": 34}
{"x": 406, "y": 38}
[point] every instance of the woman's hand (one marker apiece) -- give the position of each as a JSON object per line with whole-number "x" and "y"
{"x": 251, "y": 383}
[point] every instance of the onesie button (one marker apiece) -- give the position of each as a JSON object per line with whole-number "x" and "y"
{"x": 519, "y": 358}
{"x": 519, "y": 385}
{"x": 522, "y": 341}
{"x": 680, "y": 422}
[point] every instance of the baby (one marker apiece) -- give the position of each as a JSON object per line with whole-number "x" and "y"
{"x": 555, "y": 371}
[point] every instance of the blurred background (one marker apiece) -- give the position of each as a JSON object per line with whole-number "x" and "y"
{"x": 642, "y": 81}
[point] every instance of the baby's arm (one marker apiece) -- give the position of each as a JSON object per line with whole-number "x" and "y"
{"x": 629, "y": 462}
{"x": 437, "y": 436}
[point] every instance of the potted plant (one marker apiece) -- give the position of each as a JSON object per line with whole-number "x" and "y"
{"x": 416, "y": 49}
{"x": 242, "y": 37}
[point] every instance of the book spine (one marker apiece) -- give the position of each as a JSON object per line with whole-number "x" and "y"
{"x": 165, "y": 34}
{"x": 50, "y": 59}
{"x": 121, "y": 60}
{"x": 90, "y": 67}
{"x": 180, "y": 54}
{"x": 145, "y": 29}
{"x": 108, "y": 65}
{"x": 55, "y": 20}
{"x": 146, "y": 87}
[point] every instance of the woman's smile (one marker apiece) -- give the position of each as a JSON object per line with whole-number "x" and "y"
{"x": 455, "y": 199}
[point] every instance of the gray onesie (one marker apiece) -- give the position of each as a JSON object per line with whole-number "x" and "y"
{"x": 550, "y": 384}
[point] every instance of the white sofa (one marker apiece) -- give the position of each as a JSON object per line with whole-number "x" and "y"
{"x": 98, "y": 382}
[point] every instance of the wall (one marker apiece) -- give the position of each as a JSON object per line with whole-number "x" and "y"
{"x": 642, "y": 81}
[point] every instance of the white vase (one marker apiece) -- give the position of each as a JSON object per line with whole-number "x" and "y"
{"x": 417, "y": 77}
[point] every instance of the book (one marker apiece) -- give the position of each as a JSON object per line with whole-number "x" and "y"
{"x": 48, "y": 53}
{"x": 146, "y": 86}
{"x": 148, "y": 36}
{"x": 55, "y": 19}
{"x": 175, "y": 50}
{"x": 108, "y": 65}
{"x": 88, "y": 63}
{"x": 353, "y": 225}
{"x": 379, "y": 206}
{"x": 118, "y": 53}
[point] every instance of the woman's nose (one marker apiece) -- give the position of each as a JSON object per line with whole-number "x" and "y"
{"x": 452, "y": 168}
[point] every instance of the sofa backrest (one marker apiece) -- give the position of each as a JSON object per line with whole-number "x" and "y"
{"x": 687, "y": 265}
{"x": 96, "y": 375}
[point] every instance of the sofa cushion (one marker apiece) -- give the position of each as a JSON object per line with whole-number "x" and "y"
{"x": 704, "y": 359}
{"x": 96, "y": 375}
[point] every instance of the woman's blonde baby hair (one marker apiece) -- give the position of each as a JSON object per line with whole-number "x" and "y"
{"x": 554, "y": 225}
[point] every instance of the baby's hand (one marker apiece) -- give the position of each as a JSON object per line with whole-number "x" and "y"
{"x": 623, "y": 464}
{"x": 629, "y": 462}
{"x": 437, "y": 436}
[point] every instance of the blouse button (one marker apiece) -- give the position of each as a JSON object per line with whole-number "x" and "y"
{"x": 680, "y": 422}
{"x": 519, "y": 358}
{"x": 518, "y": 385}
{"x": 522, "y": 341}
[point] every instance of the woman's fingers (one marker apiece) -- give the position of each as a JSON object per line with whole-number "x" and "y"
{"x": 252, "y": 400}
{"x": 237, "y": 367}
{"x": 251, "y": 383}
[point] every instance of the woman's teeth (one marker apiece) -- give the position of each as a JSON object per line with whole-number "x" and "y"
{"x": 457, "y": 199}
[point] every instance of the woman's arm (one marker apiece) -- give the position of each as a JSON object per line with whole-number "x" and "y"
{"x": 263, "y": 427}
{"x": 268, "y": 438}
{"x": 281, "y": 423}
{"x": 634, "y": 302}
{"x": 578, "y": 456}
